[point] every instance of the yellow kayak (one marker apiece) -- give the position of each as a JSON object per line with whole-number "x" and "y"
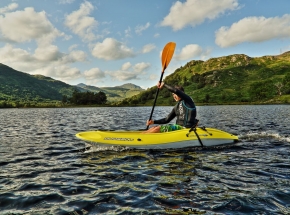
{"x": 173, "y": 139}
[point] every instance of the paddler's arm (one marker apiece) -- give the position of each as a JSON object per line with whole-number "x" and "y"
{"x": 179, "y": 93}
{"x": 164, "y": 120}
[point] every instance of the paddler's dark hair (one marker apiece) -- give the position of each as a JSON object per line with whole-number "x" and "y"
{"x": 179, "y": 88}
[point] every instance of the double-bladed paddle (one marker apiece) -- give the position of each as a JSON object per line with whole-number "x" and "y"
{"x": 167, "y": 54}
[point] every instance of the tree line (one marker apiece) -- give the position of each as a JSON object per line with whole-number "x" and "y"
{"x": 77, "y": 98}
{"x": 85, "y": 98}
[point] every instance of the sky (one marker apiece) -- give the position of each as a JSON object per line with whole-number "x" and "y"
{"x": 107, "y": 43}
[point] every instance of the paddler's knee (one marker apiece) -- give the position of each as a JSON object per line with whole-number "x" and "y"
{"x": 155, "y": 129}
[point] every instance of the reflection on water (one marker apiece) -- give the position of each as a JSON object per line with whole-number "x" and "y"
{"x": 45, "y": 169}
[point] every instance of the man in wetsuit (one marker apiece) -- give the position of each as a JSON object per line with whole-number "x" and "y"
{"x": 184, "y": 110}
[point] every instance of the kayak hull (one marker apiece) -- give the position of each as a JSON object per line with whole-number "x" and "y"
{"x": 174, "y": 139}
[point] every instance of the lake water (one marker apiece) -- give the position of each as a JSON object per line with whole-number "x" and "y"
{"x": 44, "y": 168}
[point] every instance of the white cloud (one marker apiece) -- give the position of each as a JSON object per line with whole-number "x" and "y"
{"x": 48, "y": 61}
{"x": 81, "y": 24}
{"x": 128, "y": 32}
{"x": 194, "y": 12}
{"x": 253, "y": 29}
{"x": 189, "y": 51}
{"x": 140, "y": 67}
{"x": 60, "y": 72}
{"x": 94, "y": 73}
{"x": 156, "y": 35}
{"x": 8, "y": 8}
{"x": 51, "y": 53}
{"x": 111, "y": 49}
{"x": 72, "y": 47}
{"x": 10, "y": 55}
{"x": 48, "y": 54}
{"x": 141, "y": 28}
{"x": 124, "y": 74}
{"x": 148, "y": 48}
{"x": 76, "y": 56}
{"x": 126, "y": 66}
{"x": 153, "y": 77}
{"x": 27, "y": 25}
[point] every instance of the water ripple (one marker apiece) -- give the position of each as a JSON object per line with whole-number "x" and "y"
{"x": 45, "y": 169}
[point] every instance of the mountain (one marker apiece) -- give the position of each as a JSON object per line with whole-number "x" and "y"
{"x": 83, "y": 88}
{"x": 114, "y": 94}
{"x": 22, "y": 87}
{"x": 233, "y": 79}
{"x": 130, "y": 86}
{"x": 31, "y": 90}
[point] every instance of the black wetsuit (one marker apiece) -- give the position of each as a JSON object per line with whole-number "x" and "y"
{"x": 184, "y": 110}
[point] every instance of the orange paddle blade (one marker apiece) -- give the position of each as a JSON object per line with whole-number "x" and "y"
{"x": 167, "y": 54}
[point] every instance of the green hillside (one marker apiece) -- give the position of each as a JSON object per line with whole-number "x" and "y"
{"x": 234, "y": 79}
{"x": 130, "y": 86}
{"x": 19, "y": 87}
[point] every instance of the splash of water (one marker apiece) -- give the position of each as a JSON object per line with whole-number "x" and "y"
{"x": 264, "y": 134}
{"x": 89, "y": 148}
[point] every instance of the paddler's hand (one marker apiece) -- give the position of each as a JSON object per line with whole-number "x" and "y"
{"x": 160, "y": 85}
{"x": 149, "y": 122}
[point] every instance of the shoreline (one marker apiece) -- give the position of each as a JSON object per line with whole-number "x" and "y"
{"x": 143, "y": 105}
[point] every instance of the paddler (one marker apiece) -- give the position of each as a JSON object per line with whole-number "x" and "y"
{"x": 184, "y": 111}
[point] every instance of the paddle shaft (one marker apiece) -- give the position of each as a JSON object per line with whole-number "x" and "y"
{"x": 156, "y": 95}
{"x": 167, "y": 54}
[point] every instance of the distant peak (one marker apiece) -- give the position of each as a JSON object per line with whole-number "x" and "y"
{"x": 130, "y": 86}
{"x": 81, "y": 85}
